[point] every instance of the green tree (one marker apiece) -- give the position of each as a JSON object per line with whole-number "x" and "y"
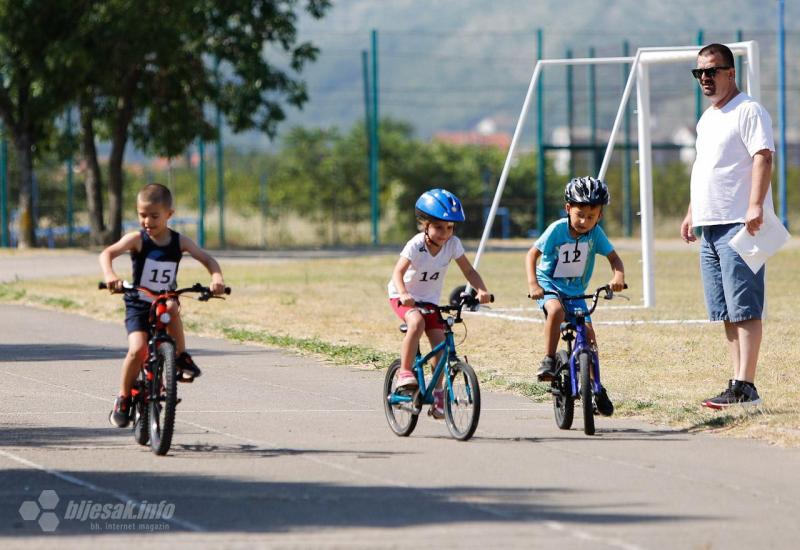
{"x": 159, "y": 64}
{"x": 38, "y": 76}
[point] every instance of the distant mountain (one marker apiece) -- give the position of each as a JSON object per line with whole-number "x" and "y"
{"x": 445, "y": 65}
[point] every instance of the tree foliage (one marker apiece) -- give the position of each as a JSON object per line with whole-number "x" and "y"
{"x": 146, "y": 71}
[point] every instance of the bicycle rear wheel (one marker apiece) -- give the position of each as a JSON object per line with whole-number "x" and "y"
{"x": 402, "y": 417}
{"x": 585, "y": 363}
{"x": 163, "y": 399}
{"x": 561, "y": 388}
{"x": 462, "y": 410}
{"x": 140, "y": 424}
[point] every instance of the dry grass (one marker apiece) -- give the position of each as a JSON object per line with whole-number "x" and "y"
{"x": 660, "y": 372}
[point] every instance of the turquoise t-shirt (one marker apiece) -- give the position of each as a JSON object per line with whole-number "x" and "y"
{"x": 567, "y": 264}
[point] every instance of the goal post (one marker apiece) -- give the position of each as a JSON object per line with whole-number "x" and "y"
{"x": 639, "y": 75}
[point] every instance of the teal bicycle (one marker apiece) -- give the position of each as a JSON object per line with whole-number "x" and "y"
{"x": 462, "y": 403}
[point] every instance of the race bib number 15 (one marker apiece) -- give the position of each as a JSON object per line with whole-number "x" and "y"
{"x": 158, "y": 275}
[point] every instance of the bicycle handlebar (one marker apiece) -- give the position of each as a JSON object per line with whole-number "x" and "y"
{"x": 594, "y": 297}
{"x": 466, "y": 300}
{"x": 130, "y": 289}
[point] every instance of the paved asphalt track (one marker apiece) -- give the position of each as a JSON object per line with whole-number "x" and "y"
{"x": 282, "y": 451}
{"x": 276, "y": 450}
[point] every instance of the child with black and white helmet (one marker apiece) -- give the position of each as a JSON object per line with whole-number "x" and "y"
{"x": 567, "y": 249}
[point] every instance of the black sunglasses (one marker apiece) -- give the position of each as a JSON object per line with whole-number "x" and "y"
{"x": 710, "y": 72}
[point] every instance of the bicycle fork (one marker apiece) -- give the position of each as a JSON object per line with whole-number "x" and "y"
{"x": 574, "y": 370}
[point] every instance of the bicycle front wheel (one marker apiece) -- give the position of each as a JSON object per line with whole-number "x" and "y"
{"x": 585, "y": 363}
{"x": 561, "y": 388}
{"x": 163, "y": 399}
{"x": 403, "y": 416}
{"x": 140, "y": 424}
{"x": 462, "y": 408}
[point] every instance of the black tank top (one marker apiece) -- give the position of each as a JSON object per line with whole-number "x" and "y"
{"x": 156, "y": 267}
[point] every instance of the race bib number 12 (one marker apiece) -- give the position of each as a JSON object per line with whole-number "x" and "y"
{"x": 571, "y": 260}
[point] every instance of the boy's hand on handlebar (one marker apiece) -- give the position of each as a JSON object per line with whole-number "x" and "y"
{"x": 617, "y": 284}
{"x": 217, "y": 285}
{"x": 484, "y": 297}
{"x": 113, "y": 285}
{"x": 535, "y": 292}
{"x": 406, "y": 299}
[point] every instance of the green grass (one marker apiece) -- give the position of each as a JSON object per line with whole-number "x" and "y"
{"x": 339, "y": 354}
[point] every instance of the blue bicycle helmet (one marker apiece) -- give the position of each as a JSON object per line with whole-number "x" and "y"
{"x": 586, "y": 190}
{"x": 439, "y": 204}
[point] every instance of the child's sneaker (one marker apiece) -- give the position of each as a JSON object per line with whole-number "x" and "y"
{"x": 187, "y": 369}
{"x": 437, "y": 409}
{"x": 120, "y": 414}
{"x": 406, "y": 380}
{"x": 603, "y": 403}
{"x": 547, "y": 369}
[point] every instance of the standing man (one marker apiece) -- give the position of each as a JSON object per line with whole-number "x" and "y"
{"x": 730, "y": 189}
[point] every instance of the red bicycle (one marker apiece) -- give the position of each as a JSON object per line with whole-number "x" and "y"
{"x": 154, "y": 395}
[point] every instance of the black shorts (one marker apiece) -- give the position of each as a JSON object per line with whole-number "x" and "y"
{"x": 137, "y": 313}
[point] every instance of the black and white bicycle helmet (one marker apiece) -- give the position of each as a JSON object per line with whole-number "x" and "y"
{"x": 586, "y": 190}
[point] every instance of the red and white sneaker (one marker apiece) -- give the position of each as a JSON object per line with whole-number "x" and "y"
{"x": 406, "y": 380}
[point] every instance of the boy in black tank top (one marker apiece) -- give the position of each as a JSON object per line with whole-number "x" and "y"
{"x": 156, "y": 251}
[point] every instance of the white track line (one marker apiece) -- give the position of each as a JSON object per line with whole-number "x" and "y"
{"x": 118, "y": 495}
{"x": 538, "y": 309}
{"x": 630, "y": 322}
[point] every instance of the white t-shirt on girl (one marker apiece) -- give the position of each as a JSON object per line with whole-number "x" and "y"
{"x": 425, "y": 276}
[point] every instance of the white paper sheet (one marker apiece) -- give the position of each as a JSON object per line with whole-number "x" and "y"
{"x": 755, "y": 249}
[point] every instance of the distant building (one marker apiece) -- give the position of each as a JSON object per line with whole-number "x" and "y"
{"x": 484, "y": 134}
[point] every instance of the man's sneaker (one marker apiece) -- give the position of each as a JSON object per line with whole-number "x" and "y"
{"x": 724, "y": 399}
{"x": 187, "y": 369}
{"x": 547, "y": 369}
{"x": 406, "y": 380}
{"x": 603, "y": 403}
{"x": 120, "y": 414}
{"x": 738, "y": 393}
{"x": 437, "y": 409}
{"x": 747, "y": 394}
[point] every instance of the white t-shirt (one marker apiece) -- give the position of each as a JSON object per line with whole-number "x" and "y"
{"x": 424, "y": 278}
{"x": 727, "y": 140}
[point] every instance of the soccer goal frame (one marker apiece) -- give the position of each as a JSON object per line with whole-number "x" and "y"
{"x": 639, "y": 74}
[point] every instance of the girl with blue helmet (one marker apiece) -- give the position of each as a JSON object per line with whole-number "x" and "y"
{"x": 418, "y": 278}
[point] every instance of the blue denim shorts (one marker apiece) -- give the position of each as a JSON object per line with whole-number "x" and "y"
{"x": 733, "y": 292}
{"x": 572, "y": 305}
{"x": 137, "y": 316}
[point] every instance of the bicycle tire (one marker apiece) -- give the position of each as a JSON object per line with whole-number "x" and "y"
{"x": 163, "y": 399}
{"x": 401, "y": 417}
{"x": 463, "y": 411}
{"x": 563, "y": 401}
{"x": 141, "y": 428}
{"x": 585, "y": 364}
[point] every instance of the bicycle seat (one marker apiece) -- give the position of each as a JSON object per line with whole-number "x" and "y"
{"x": 403, "y": 328}
{"x": 567, "y": 325}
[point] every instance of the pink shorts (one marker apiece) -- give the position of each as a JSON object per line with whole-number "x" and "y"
{"x": 432, "y": 320}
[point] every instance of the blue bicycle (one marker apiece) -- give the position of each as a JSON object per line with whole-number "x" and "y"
{"x": 577, "y": 369}
{"x": 462, "y": 403}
